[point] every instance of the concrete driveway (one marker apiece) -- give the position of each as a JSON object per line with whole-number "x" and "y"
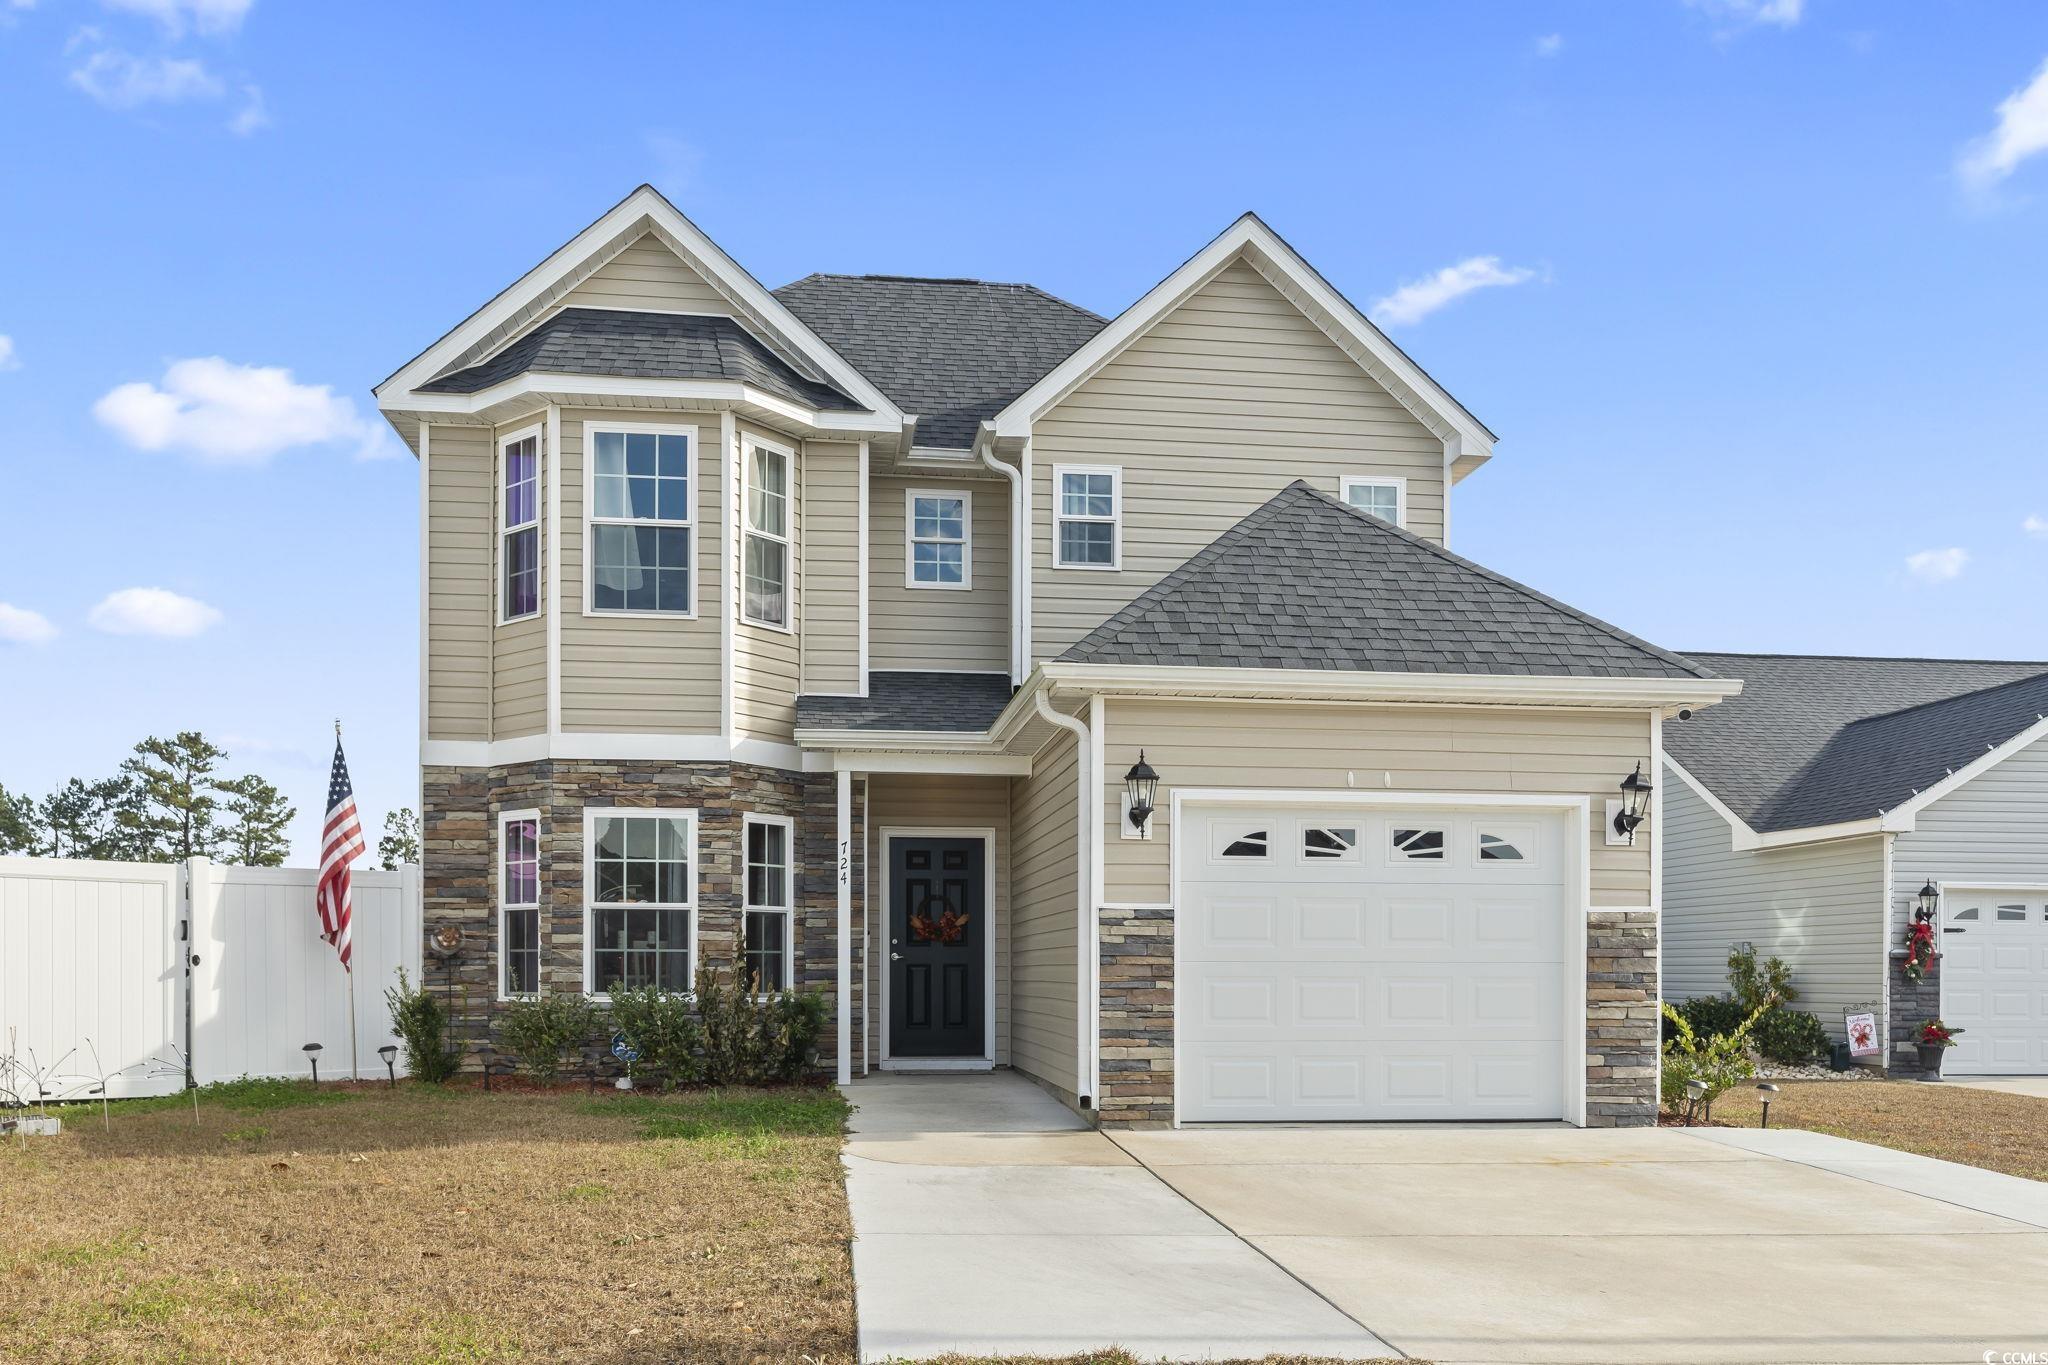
{"x": 988, "y": 1220}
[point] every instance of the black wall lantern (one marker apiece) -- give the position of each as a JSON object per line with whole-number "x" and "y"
{"x": 1141, "y": 784}
{"x": 1635, "y": 805}
{"x": 1928, "y": 899}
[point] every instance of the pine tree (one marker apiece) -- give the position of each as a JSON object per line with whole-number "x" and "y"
{"x": 401, "y": 841}
{"x": 21, "y": 825}
{"x": 173, "y": 817}
{"x": 259, "y": 814}
{"x": 85, "y": 820}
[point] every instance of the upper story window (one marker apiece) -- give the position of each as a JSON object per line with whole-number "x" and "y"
{"x": 518, "y": 903}
{"x": 769, "y": 893}
{"x": 766, "y": 599}
{"x": 519, "y": 526}
{"x": 641, "y": 900}
{"x": 641, "y": 530}
{"x": 1087, "y": 517}
{"x": 939, "y": 549}
{"x": 1382, "y": 497}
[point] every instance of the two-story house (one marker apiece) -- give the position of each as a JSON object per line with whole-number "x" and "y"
{"x": 834, "y": 629}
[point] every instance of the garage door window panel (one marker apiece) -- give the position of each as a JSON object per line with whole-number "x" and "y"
{"x": 1419, "y": 845}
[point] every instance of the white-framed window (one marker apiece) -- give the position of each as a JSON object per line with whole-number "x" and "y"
{"x": 768, "y": 844}
{"x": 640, "y": 899}
{"x": 938, "y": 549}
{"x": 765, "y": 599}
{"x": 519, "y": 526}
{"x": 1087, "y": 516}
{"x": 1382, "y": 496}
{"x": 518, "y": 903}
{"x": 639, "y": 498}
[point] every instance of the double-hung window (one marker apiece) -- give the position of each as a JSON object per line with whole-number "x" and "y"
{"x": 642, "y": 898}
{"x": 769, "y": 891}
{"x": 939, "y": 548}
{"x": 641, "y": 528}
{"x": 767, "y": 539}
{"x": 1382, "y": 497}
{"x": 518, "y": 903}
{"x": 519, "y": 527}
{"x": 1087, "y": 517}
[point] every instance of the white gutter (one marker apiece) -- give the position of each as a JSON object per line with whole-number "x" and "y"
{"x": 1017, "y": 560}
{"x": 1084, "y": 881}
{"x": 1306, "y": 684}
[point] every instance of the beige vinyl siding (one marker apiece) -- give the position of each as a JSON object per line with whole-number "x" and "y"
{"x": 519, "y": 649}
{"x": 460, "y": 604}
{"x": 641, "y": 675}
{"x": 648, "y": 277}
{"x": 1992, "y": 830}
{"x": 942, "y": 629}
{"x": 1337, "y": 747}
{"x": 1045, "y": 897}
{"x": 764, "y": 673}
{"x": 1224, "y": 402}
{"x": 907, "y": 803}
{"x": 1815, "y": 905}
{"x": 831, "y": 552}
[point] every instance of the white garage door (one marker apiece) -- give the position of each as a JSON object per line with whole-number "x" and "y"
{"x": 1339, "y": 964}
{"x": 1994, "y": 981}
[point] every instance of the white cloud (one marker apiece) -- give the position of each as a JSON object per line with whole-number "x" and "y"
{"x": 1417, "y": 299}
{"x": 8, "y": 359}
{"x": 1550, "y": 44}
{"x": 2035, "y": 525}
{"x": 225, "y": 413}
{"x": 121, "y": 81}
{"x": 1752, "y": 13}
{"x": 152, "y": 611}
{"x": 1937, "y": 566}
{"x": 252, "y": 115}
{"x": 213, "y": 17}
{"x": 20, "y": 626}
{"x": 2022, "y": 132}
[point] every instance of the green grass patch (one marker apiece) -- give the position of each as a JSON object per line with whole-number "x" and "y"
{"x": 255, "y": 1132}
{"x": 740, "y": 1117}
{"x": 586, "y": 1194}
{"x": 91, "y": 1253}
{"x": 249, "y": 1095}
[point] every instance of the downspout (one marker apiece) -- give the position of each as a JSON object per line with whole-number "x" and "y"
{"x": 1084, "y": 911}
{"x": 1017, "y": 560}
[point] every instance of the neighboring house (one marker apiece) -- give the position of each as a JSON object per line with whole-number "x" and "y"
{"x": 1807, "y": 815}
{"x": 818, "y": 627}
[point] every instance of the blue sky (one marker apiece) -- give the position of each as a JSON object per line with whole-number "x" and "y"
{"x": 1751, "y": 292}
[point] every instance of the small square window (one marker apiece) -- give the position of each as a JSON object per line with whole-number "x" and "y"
{"x": 1384, "y": 498}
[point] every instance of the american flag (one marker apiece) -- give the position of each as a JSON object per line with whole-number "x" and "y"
{"x": 341, "y": 843}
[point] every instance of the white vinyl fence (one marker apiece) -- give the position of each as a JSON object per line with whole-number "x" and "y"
{"x": 95, "y": 988}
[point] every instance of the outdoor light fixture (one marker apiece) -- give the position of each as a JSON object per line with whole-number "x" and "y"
{"x": 1634, "y": 806}
{"x": 312, "y": 1051}
{"x": 1142, "y": 785}
{"x": 1765, "y": 1092}
{"x": 1695, "y": 1091}
{"x": 1928, "y": 898}
{"x": 387, "y": 1052}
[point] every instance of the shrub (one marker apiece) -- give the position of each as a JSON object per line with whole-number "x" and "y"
{"x": 1756, "y": 986}
{"x": 541, "y": 1031}
{"x": 663, "y": 1026}
{"x": 421, "y": 1023}
{"x": 735, "y": 1043}
{"x": 795, "y": 1021}
{"x": 1709, "y": 1015}
{"x": 1793, "y": 1037}
{"x": 1721, "y": 1061}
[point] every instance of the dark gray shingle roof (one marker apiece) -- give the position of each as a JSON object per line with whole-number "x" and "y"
{"x": 954, "y": 352}
{"x": 1306, "y": 581}
{"x": 912, "y": 701}
{"x": 1818, "y": 740}
{"x": 645, "y": 346}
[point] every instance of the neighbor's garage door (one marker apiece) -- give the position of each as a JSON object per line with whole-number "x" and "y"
{"x": 1994, "y": 981}
{"x": 1343, "y": 965}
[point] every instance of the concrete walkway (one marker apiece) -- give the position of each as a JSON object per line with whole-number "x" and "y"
{"x": 989, "y": 1220}
{"x": 2034, "y": 1086}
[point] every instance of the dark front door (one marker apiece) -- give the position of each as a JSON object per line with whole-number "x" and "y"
{"x": 938, "y": 914}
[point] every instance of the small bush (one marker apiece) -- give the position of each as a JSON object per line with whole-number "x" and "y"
{"x": 545, "y": 1029}
{"x": 795, "y": 1021}
{"x": 1793, "y": 1037}
{"x": 1755, "y": 985}
{"x": 1710, "y": 1016}
{"x": 1722, "y": 1061}
{"x": 735, "y": 1045}
{"x": 421, "y": 1023}
{"x": 663, "y": 1025}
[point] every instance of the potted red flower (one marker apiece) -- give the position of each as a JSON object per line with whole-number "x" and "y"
{"x": 1935, "y": 1039}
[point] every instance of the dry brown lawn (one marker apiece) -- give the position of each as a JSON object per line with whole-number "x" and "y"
{"x": 1985, "y": 1128}
{"x": 426, "y": 1225}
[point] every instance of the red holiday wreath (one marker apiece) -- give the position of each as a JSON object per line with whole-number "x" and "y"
{"x": 1919, "y": 949}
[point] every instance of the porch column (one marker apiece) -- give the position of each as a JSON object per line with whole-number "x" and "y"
{"x": 845, "y": 931}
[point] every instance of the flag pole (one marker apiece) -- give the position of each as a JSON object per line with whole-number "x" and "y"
{"x": 348, "y": 969}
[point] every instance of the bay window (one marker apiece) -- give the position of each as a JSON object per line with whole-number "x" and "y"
{"x": 769, "y": 900}
{"x": 766, "y": 553}
{"x": 641, "y": 528}
{"x": 518, "y": 903}
{"x": 519, "y": 527}
{"x": 640, "y": 899}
